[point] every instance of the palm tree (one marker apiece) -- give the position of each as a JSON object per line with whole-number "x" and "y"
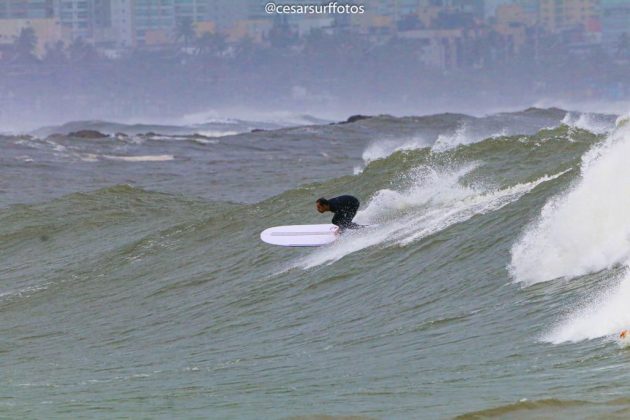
{"x": 211, "y": 44}
{"x": 185, "y": 30}
{"x": 81, "y": 51}
{"x": 25, "y": 44}
{"x": 280, "y": 34}
{"x": 55, "y": 54}
{"x": 245, "y": 49}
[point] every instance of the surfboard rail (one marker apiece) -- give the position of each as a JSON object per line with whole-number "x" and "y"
{"x": 300, "y": 235}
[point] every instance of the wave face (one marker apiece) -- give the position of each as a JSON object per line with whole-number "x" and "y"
{"x": 494, "y": 281}
{"x": 584, "y": 230}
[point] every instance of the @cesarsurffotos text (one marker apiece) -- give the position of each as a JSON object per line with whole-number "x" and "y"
{"x": 329, "y": 8}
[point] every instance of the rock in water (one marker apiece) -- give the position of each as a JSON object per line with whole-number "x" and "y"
{"x": 87, "y": 134}
{"x": 354, "y": 118}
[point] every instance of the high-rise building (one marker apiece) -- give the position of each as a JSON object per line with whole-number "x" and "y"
{"x": 76, "y": 16}
{"x": 195, "y": 10}
{"x": 394, "y": 9}
{"x": 473, "y": 7}
{"x": 113, "y": 23}
{"x": 225, "y": 13}
{"x": 26, "y": 9}
{"x": 512, "y": 15}
{"x": 491, "y": 6}
{"x": 122, "y": 22}
{"x": 529, "y": 6}
{"x": 153, "y": 21}
{"x": 102, "y": 13}
{"x": 556, "y": 15}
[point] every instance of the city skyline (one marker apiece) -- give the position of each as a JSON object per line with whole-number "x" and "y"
{"x": 405, "y": 56}
{"x": 119, "y": 24}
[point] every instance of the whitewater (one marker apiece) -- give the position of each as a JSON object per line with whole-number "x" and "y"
{"x": 495, "y": 282}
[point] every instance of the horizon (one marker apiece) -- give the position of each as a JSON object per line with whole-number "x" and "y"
{"x": 301, "y": 64}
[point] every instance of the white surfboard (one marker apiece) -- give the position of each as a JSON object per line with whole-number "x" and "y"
{"x": 300, "y": 235}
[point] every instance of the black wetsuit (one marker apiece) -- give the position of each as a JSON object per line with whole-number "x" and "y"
{"x": 345, "y": 208}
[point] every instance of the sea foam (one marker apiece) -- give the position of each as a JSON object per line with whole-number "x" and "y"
{"x": 435, "y": 201}
{"x": 605, "y": 314}
{"x": 586, "y": 229}
{"x": 594, "y": 123}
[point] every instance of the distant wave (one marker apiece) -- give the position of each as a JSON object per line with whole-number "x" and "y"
{"x": 457, "y": 130}
{"x": 238, "y": 116}
{"x": 383, "y": 148}
{"x": 595, "y": 123}
{"x": 208, "y": 129}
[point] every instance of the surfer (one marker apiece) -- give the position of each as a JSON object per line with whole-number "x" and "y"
{"x": 345, "y": 208}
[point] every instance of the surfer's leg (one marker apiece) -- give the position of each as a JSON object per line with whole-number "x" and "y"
{"x": 352, "y": 211}
{"x": 349, "y": 215}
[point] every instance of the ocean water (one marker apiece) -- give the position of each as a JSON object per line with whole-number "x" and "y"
{"x": 134, "y": 284}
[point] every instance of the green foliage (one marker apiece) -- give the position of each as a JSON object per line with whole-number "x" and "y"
{"x": 25, "y": 43}
{"x": 185, "y": 30}
{"x": 211, "y": 44}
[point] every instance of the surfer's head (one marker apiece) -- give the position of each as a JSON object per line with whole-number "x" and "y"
{"x": 624, "y": 334}
{"x": 322, "y": 205}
